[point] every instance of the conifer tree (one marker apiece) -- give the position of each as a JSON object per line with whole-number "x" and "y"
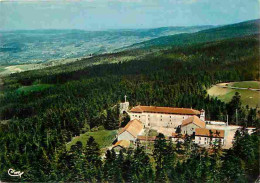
{"x": 107, "y": 165}
{"x": 233, "y": 106}
{"x": 119, "y": 167}
{"x": 169, "y": 159}
{"x": 92, "y": 155}
{"x": 112, "y": 121}
{"x": 160, "y": 147}
{"x": 141, "y": 167}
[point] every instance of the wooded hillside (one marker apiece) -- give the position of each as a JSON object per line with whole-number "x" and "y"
{"x": 40, "y": 123}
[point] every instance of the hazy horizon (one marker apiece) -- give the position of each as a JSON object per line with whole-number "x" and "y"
{"x": 124, "y": 29}
{"x": 101, "y": 15}
{"x": 111, "y": 29}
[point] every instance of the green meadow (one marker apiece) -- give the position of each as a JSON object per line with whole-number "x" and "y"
{"x": 33, "y": 88}
{"x": 248, "y": 97}
{"x": 104, "y": 138}
{"x": 247, "y": 84}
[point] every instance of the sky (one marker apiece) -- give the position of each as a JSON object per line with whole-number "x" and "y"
{"x": 122, "y": 14}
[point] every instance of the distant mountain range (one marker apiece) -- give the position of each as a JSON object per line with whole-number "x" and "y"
{"x": 218, "y": 33}
{"x": 38, "y": 46}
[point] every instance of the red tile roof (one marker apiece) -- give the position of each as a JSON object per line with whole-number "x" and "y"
{"x": 149, "y": 138}
{"x": 176, "y": 135}
{"x": 206, "y": 132}
{"x": 195, "y": 120}
{"x": 166, "y": 110}
{"x": 251, "y": 127}
{"x": 144, "y": 138}
{"x": 123, "y": 143}
{"x": 134, "y": 127}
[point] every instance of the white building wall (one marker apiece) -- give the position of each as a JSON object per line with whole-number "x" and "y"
{"x": 123, "y": 107}
{"x": 189, "y": 129}
{"x": 205, "y": 141}
{"x": 174, "y": 139}
{"x": 220, "y": 123}
{"x": 159, "y": 120}
{"x": 126, "y": 136}
{"x": 202, "y": 115}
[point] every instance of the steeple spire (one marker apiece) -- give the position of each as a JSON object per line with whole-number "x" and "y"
{"x": 125, "y": 98}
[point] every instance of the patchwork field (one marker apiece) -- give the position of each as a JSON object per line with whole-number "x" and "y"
{"x": 224, "y": 92}
{"x": 6, "y": 70}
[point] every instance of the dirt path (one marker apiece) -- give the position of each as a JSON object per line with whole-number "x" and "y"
{"x": 223, "y": 85}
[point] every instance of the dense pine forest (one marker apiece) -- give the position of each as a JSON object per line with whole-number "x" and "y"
{"x": 41, "y": 110}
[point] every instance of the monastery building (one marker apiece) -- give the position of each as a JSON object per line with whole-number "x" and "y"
{"x": 169, "y": 117}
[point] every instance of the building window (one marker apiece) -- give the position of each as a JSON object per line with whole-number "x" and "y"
{"x": 161, "y": 119}
{"x": 139, "y": 116}
{"x": 170, "y": 116}
{"x": 205, "y": 142}
{"x": 148, "y": 119}
{"x": 200, "y": 138}
{"x": 205, "y": 138}
{"x": 170, "y": 120}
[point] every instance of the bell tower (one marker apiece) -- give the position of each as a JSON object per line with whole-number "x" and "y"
{"x": 202, "y": 114}
{"x": 124, "y": 106}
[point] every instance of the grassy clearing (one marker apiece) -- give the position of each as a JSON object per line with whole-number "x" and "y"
{"x": 248, "y": 97}
{"x": 218, "y": 91}
{"x": 33, "y": 88}
{"x": 6, "y": 70}
{"x": 103, "y": 137}
{"x": 247, "y": 84}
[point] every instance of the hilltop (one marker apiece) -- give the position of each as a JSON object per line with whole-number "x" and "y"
{"x": 219, "y": 33}
{"x": 59, "y": 47}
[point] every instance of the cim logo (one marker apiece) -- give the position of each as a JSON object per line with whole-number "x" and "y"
{"x": 14, "y": 173}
